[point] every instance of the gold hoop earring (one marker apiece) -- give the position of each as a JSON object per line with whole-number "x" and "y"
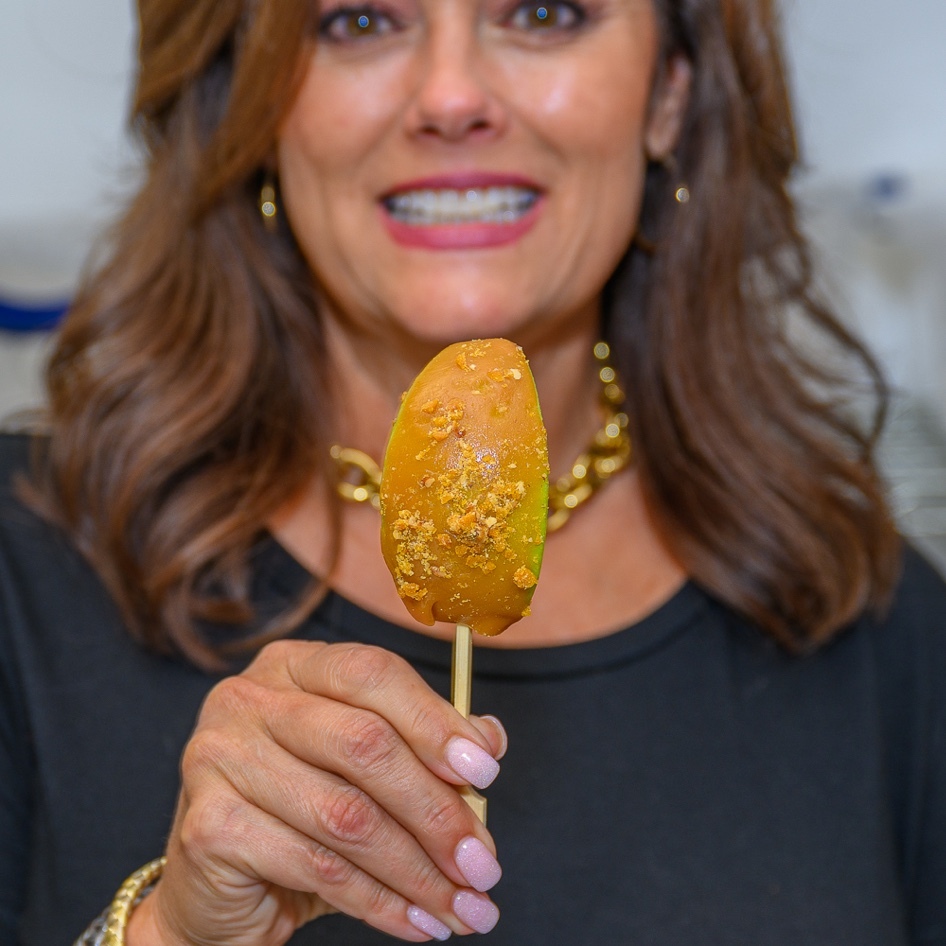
{"x": 681, "y": 190}
{"x": 267, "y": 205}
{"x": 681, "y": 194}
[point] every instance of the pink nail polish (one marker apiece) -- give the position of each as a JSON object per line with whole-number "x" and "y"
{"x": 478, "y": 912}
{"x": 471, "y": 762}
{"x": 478, "y": 866}
{"x": 423, "y": 921}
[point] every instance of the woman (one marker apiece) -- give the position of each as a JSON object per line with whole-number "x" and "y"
{"x": 722, "y": 716}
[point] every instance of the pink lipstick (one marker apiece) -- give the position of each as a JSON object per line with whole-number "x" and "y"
{"x": 461, "y": 211}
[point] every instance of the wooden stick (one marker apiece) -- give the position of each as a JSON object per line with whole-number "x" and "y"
{"x": 460, "y": 692}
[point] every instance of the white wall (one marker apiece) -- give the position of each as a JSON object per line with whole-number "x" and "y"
{"x": 870, "y": 84}
{"x": 64, "y": 70}
{"x": 64, "y": 157}
{"x": 870, "y": 81}
{"x": 65, "y": 67}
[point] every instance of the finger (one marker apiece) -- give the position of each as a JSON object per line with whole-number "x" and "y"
{"x": 310, "y": 879}
{"x": 363, "y": 749}
{"x": 494, "y": 732}
{"x": 454, "y": 748}
{"x": 341, "y": 819}
{"x": 366, "y": 755}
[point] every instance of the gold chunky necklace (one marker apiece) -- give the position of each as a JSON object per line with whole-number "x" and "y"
{"x": 359, "y": 477}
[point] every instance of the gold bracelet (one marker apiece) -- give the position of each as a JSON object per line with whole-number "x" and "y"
{"x": 130, "y": 892}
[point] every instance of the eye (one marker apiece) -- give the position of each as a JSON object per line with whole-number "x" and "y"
{"x": 350, "y": 24}
{"x": 556, "y": 15}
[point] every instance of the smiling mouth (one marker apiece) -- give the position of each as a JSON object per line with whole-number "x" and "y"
{"x": 430, "y": 208}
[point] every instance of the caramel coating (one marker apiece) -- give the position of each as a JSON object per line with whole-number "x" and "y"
{"x": 464, "y": 489}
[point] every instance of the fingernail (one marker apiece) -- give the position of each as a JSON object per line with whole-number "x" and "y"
{"x": 423, "y": 921}
{"x": 478, "y": 866}
{"x": 502, "y": 735}
{"x": 471, "y": 762}
{"x": 478, "y": 912}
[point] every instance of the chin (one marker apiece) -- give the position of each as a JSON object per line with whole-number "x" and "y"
{"x": 438, "y": 316}
{"x": 444, "y": 328}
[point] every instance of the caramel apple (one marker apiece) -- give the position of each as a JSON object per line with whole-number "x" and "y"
{"x": 464, "y": 489}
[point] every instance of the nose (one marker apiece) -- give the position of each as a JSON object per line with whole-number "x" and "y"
{"x": 452, "y": 100}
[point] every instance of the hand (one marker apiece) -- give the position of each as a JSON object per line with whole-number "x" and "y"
{"x": 320, "y": 780}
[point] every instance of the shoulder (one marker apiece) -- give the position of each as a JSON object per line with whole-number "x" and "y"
{"x": 15, "y": 449}
{"x": 915, "y": 622}
{"x": 21, "y": 457}
{"x": 910, "y": 667}
{"x": 909, "y": 643}
{"x": 19, "y": 453}
{"x": 39, "y": 563}
{"x": 920, "y": 577}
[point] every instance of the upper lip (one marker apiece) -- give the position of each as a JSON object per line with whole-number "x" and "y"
{"x": 462, "y": 180}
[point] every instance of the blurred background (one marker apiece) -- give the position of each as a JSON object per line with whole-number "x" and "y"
{"x": 870, "y": 87}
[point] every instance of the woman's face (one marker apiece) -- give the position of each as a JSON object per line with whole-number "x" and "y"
{"x": 470, "y": 168}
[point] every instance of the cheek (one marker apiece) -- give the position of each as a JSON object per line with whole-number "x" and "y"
{"x": 597, "y": 115}
{"x": 595, "y": 120}
{"x": 340, "y": 116}
{"x": 303, "y": 139}
{"x": 335, "y": 122}
{"x": 591, "y": 111}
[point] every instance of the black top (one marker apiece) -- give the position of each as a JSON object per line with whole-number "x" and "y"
{"x": 679, "y": 782}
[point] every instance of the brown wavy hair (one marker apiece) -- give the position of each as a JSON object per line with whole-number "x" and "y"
{"x": 186, "y": 399}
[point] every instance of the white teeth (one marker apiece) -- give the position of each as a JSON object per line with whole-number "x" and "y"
{"x": 475, "y": 205}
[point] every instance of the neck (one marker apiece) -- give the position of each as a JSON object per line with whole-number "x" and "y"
{"x": 371, "y": 373}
